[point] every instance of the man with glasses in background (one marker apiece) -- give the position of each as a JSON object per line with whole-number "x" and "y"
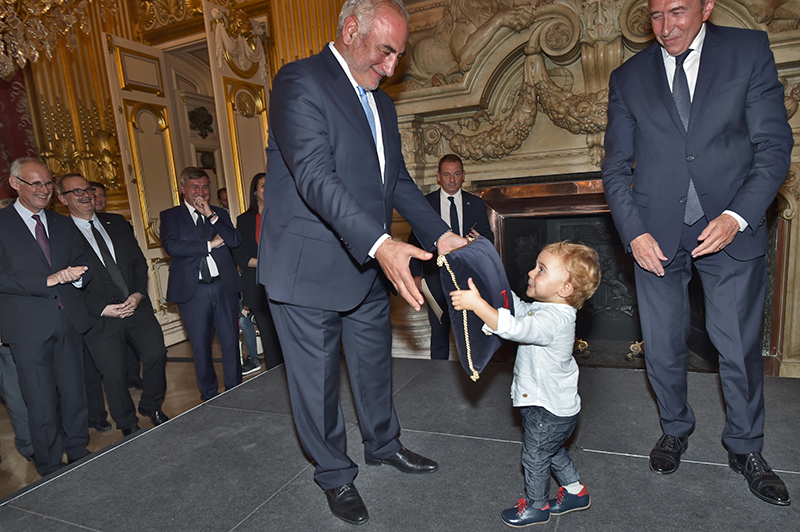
{"x": 118, "y": 305}
{"x": 42, "y": 315}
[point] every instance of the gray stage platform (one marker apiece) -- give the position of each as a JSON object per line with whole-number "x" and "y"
{"x": 234, "y": 463}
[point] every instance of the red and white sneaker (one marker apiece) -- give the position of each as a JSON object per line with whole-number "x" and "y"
{"x": 565, "y": 502}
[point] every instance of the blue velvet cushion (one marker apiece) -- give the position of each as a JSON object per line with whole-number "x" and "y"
{"x": 479, "y": 260}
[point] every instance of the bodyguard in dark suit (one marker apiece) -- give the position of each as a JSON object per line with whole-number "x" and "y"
{"x": 42, "y": 315}
{"x": 697, "y": 146}
{"x": 465, "y": 213}
{"x": 117, "y": 303}
{"x": 335, "y": 172}
{"x": 203, "y": 279}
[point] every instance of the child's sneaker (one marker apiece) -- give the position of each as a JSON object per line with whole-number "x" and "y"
{"x": 523, "y": 515}
{"x": 565, "y": 502}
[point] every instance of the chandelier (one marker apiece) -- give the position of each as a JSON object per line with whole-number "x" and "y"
{"x": 30, "y": 27}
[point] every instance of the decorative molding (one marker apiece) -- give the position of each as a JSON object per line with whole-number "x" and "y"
{"x": 240, "y": 46}
{"x": 95, "y": 155}
{"x": 789, "y": 194}
{"x": 201, "y": 121}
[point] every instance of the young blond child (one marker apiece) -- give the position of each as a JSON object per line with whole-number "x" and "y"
{"x": 545, "y": 386}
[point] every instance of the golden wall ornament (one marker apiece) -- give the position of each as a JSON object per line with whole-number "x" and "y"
{"x": 96, "y": 155}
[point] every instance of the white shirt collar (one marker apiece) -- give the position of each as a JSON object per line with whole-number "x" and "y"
{"x": 696, "y": 46}
{"x": 344, "y": 66}
{"x": 445, "y": 195}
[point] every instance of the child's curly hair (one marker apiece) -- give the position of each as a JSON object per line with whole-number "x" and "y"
{"x": 582, "y": 265}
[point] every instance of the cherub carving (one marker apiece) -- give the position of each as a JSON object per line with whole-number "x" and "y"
{"x": 443, "y": 54}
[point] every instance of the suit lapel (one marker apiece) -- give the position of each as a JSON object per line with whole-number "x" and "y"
{"x": 346, "y": 96}
{"x": 659, "y": 77}
{"x": 17, "y": 225}
{"x": 709, "y": 59}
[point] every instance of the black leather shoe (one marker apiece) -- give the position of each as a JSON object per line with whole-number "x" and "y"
{"x": 346, "y": 504}
{"x": 761, "y": 480}
{"x": 156, "y": 416}
{"x": 130, "y": 430}
{"x": 407, "y": 462}
{"x": 666, "y": 455}
{"x": 100, "y": 426}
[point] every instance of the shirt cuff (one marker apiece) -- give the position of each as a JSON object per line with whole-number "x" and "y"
{"x": 377, "y": 244}
{"x": 742, "y": 222}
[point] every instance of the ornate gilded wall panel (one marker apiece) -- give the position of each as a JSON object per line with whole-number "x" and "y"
{"x": 154, "y": 163}
{"x": 139, "y": 72}
{"x": 247, "y": 121}
{"x": 73, "y": 122}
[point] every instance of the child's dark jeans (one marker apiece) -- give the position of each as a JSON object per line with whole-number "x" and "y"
{"x": 543, "y": 451}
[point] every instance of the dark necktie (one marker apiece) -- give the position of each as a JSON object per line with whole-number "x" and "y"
{"x": 205, "y": 273}
{"x": 44, "y": 243}
{"x": 108, "y": 260}
{"x": 362, "y": 93}
{"x": 683, "y": 102}
{"x": 42, "y": 239}
{"x": 454, "y": 225}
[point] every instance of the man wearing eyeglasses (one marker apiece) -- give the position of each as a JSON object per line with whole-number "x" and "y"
{"x": 42, "y": 315}
{"x": 118, "y": 305}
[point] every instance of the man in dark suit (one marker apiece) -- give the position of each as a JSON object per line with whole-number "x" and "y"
{"x": 118, "y": 305}
{"x": 697, "y": 146}
{"x": 42, "y": 315}
{"x": 465, "y": 213}
{"x": 203, "y": 279}
{"x": 335, "y": 173}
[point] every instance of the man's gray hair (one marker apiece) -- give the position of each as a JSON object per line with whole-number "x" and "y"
{"x": 16, "y": 166}
{"x": 365, "y": 11}
{"x": 192, "y": 172}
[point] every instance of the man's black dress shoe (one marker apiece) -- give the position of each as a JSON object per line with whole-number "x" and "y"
{"x": 666, "y": 455}
{"x": 100, "y": 426}
{"x": 346, "y": 504}
{"x": 407, "y": 462}
{"x": 761, "y": 480}
{"x": 130, "y": 430}
{"x": 156, "y": 416}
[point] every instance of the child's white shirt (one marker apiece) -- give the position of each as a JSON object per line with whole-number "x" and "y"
{"x": 545, "y": 372}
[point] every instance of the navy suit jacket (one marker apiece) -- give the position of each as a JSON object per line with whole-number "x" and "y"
{"x": 132, "y": 265}
{"x": 474, "y": 212}
{"x": 325, "y": 205}
{"x": 736, "y": 151}
{"x": 28, "y": 308}
{"x": 182, "y": 243}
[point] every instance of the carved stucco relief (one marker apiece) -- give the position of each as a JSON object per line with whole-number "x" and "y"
{"x": 557, "y": 39}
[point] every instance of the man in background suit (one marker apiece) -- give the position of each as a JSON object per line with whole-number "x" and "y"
{"x": 697, "y": 146}
{"x": 335, "y": 172}
{"x": 203, "y": 279}
{"x": 465, "y": 213}
{"x": 118, "y": 305}
{"x": 42, "y": 315}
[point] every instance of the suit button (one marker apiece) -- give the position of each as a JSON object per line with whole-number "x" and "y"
{"x": 690, "y": 158}
{"x": 683, "y": 199}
